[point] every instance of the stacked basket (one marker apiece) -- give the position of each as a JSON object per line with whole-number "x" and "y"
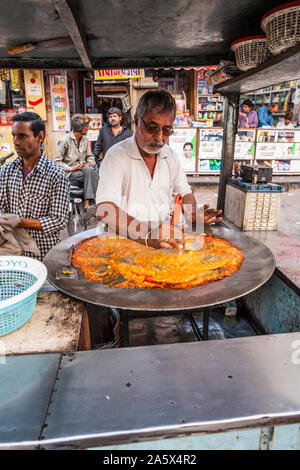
{"x": 250, "y": 51}
{"x": 282, "y": 31}
{"x": 282, "y": 27}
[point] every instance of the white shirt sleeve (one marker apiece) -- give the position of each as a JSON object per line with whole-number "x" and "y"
{"x": 110, "y": 179}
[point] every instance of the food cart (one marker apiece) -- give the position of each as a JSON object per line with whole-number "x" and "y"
{"x": 240, "y": 393}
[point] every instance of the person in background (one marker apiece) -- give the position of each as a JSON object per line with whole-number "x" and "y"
{"x": 111, "y": 134}
{"x": 247, "y": 116}
{"x": 286, "y": 123}
{"x": 33, "y": 187}
{"x": 265, "y": 115}
{"x": 73, "y": 155}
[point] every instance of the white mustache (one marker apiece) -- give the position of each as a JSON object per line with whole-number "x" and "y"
{"x": 155, "y": 144}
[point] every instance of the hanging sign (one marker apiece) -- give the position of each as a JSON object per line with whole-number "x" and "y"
{"x": 59, "y": 102}
{"x": 118, "y": 74}
{"x": 35, "y": 93}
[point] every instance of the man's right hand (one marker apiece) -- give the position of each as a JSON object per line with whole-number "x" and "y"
{"x": 167, "y": 236}
{"x": 78, "y": 167}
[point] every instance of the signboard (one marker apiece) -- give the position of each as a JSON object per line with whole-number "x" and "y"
{"x": 244, "y": 150}
{"x": 35, "y": 94}
{"x": 118, "y": 74}
{"x": 244, "y": 145}
{"x": 6, "y": 142}
{"x": 184, "y": 143}
{"x": 59, "y": 102}
{"x": 265, "y": 151}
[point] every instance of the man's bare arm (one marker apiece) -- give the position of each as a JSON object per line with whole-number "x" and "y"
{"x": 31, "y": 223}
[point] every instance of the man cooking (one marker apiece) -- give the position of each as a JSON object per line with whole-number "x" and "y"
{"x": 33, "y": 187}
{"x": 140, "y": 176}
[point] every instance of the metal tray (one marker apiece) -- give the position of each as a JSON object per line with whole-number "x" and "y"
{"x": 256, "y": 269}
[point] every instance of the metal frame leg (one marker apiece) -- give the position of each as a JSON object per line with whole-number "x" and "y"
{"x": 124, "y": 328}
{"x": 206, "y": 312}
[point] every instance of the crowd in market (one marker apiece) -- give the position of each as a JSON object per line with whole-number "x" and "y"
{"x": 132, "y": 190}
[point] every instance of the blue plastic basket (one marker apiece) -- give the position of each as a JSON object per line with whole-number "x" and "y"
{"x": 20, "y": 280}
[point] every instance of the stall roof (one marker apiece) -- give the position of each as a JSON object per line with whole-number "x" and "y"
{"x": 122, "y": 34}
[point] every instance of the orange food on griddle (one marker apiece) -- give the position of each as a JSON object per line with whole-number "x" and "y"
{"x": 123, "y": 263}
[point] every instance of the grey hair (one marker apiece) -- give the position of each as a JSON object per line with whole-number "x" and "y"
{"x": 79, "y": 121}
{"x": 160, "y": 101}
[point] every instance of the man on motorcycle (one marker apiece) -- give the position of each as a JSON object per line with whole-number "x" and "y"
{"x": 74, "y": 156}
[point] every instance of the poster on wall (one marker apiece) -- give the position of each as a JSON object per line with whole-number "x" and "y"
{"x": 245, "y": 135}
{"x": 211, "y": 135}
{"x": 244, "y": 150}
{"x": 35, "y": 93}
{"x": 295, "y": 165}
{"x": 203, "y": 165}
{"x": 297, "y": 151}
{"x": 6, "y": 142}
{"x": 285, "y": 136}
{"x": 60, "y": 102}
{"x": 184, "y": 143}
{"x": 267, "y": 150}
{"x": 266, "y": 136}
{"x": 210, "y": 150}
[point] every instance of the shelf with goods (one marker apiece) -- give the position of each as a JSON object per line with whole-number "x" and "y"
{"x": 210, "y": 148}
{"x": 279, "y": 148}
{"x": 208, "y": 107}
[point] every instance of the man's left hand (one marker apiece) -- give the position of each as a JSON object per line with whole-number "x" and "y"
{"x": 89, "y": 164}
{"x": 211, "y": 215}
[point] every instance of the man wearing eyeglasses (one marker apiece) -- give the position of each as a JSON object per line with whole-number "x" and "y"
{"x": 140, "y": 177}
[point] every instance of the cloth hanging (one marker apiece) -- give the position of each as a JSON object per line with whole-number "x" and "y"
{"x": 14, "y": 240}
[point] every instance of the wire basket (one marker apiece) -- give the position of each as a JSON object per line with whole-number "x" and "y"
{"x": 20, "y": 280}
{"x": 250, "y": 51}
{"x": 282, "y": 27}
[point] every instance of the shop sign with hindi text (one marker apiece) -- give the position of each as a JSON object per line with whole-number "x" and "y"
{"x": 118, "y": 74}
{"x": 60, "y": 102}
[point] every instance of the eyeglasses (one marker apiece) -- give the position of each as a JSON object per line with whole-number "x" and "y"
{"x": 167, "y": 131}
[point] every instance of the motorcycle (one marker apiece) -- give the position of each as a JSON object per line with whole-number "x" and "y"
{"x": 76, "y": 222}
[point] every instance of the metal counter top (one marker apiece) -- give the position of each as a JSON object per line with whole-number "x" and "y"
{"x": 130, "y": 395}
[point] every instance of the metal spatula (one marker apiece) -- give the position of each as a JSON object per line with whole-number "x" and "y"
{"x": 194, "y": 245}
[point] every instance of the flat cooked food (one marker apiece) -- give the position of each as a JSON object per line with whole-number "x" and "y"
{"x": 123, "y": 263}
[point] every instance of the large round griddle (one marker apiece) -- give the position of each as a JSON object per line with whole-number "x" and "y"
{"x": 255, "y": 270}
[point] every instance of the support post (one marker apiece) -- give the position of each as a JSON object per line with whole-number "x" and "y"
{"x": 71, "y": 19}
{"x": 230, "y": 130}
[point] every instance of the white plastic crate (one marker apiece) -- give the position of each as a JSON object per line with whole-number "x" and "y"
{"x": 252, "y": 210}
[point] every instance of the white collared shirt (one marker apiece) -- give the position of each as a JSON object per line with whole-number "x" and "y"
{"x": 125, "y": 180}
